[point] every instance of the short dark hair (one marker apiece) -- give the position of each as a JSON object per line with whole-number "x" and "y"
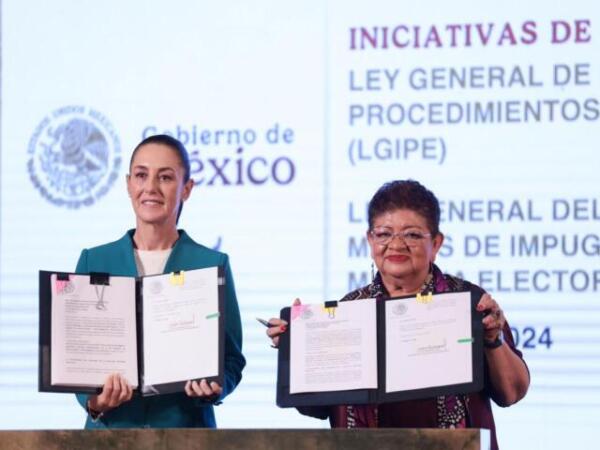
{"x": 406, "y": 194}
{"x": 173, "y": 144}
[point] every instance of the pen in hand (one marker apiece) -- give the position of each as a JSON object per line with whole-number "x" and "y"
{"x": 274, "y": 330}
{"x": 265, "y": 323}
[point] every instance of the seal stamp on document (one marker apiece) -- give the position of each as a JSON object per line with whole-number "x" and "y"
{"x": 307, "y": 314}
{"x": 400, "y": 308}
{"x": 156, "y": 287}
{"x": 74, "y": 156}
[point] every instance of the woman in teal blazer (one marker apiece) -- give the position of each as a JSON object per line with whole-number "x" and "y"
{"x": 158, "y": 184}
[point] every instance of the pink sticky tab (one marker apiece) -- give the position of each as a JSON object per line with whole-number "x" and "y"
{"x": 297, "y": 310}
{"x": 61, "y": 285}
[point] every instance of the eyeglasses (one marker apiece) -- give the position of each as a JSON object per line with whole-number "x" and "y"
{"x": 383, "y": 236}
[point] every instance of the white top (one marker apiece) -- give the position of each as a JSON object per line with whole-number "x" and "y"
{"x": 151, "y": 262}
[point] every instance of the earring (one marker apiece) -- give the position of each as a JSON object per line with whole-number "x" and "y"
{"x": 372, "y": 270}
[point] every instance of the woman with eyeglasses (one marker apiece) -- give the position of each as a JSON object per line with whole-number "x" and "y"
{"x": 404, "y": 238}
{"x": 158, "y": 184}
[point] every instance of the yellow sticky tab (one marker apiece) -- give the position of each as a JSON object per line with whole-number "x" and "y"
{"x": 330, "y": 310}
{"x": 177, "y": 278}
{"x": 424, "y": 298}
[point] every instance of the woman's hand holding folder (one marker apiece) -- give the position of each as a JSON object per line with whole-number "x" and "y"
{"x": 116, "y": 390}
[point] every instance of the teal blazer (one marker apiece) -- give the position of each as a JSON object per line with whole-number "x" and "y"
{"x": 170, "y": 410}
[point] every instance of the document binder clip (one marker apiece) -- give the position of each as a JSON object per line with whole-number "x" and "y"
{"x": 63, "y": 277}
{"x": 177, "y": 278}
{"x": 330, "y": 308}
{"x": 424, "y": 298}
{"x": 99, "y": 278}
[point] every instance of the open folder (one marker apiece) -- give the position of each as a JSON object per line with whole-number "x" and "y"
{"x": 368, "y": 351}
{"x": 157, "y": 331}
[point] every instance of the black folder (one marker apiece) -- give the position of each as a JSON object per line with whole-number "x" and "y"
{"x": 45, "y": 334}
{"x": 379, "y": 395}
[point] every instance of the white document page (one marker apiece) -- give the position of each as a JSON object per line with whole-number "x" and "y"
{"x": 428, "y": 344}
{"x": 333, "y": 349}
{"x": 93, "y": 331}
{"x": 181, "y": 327}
